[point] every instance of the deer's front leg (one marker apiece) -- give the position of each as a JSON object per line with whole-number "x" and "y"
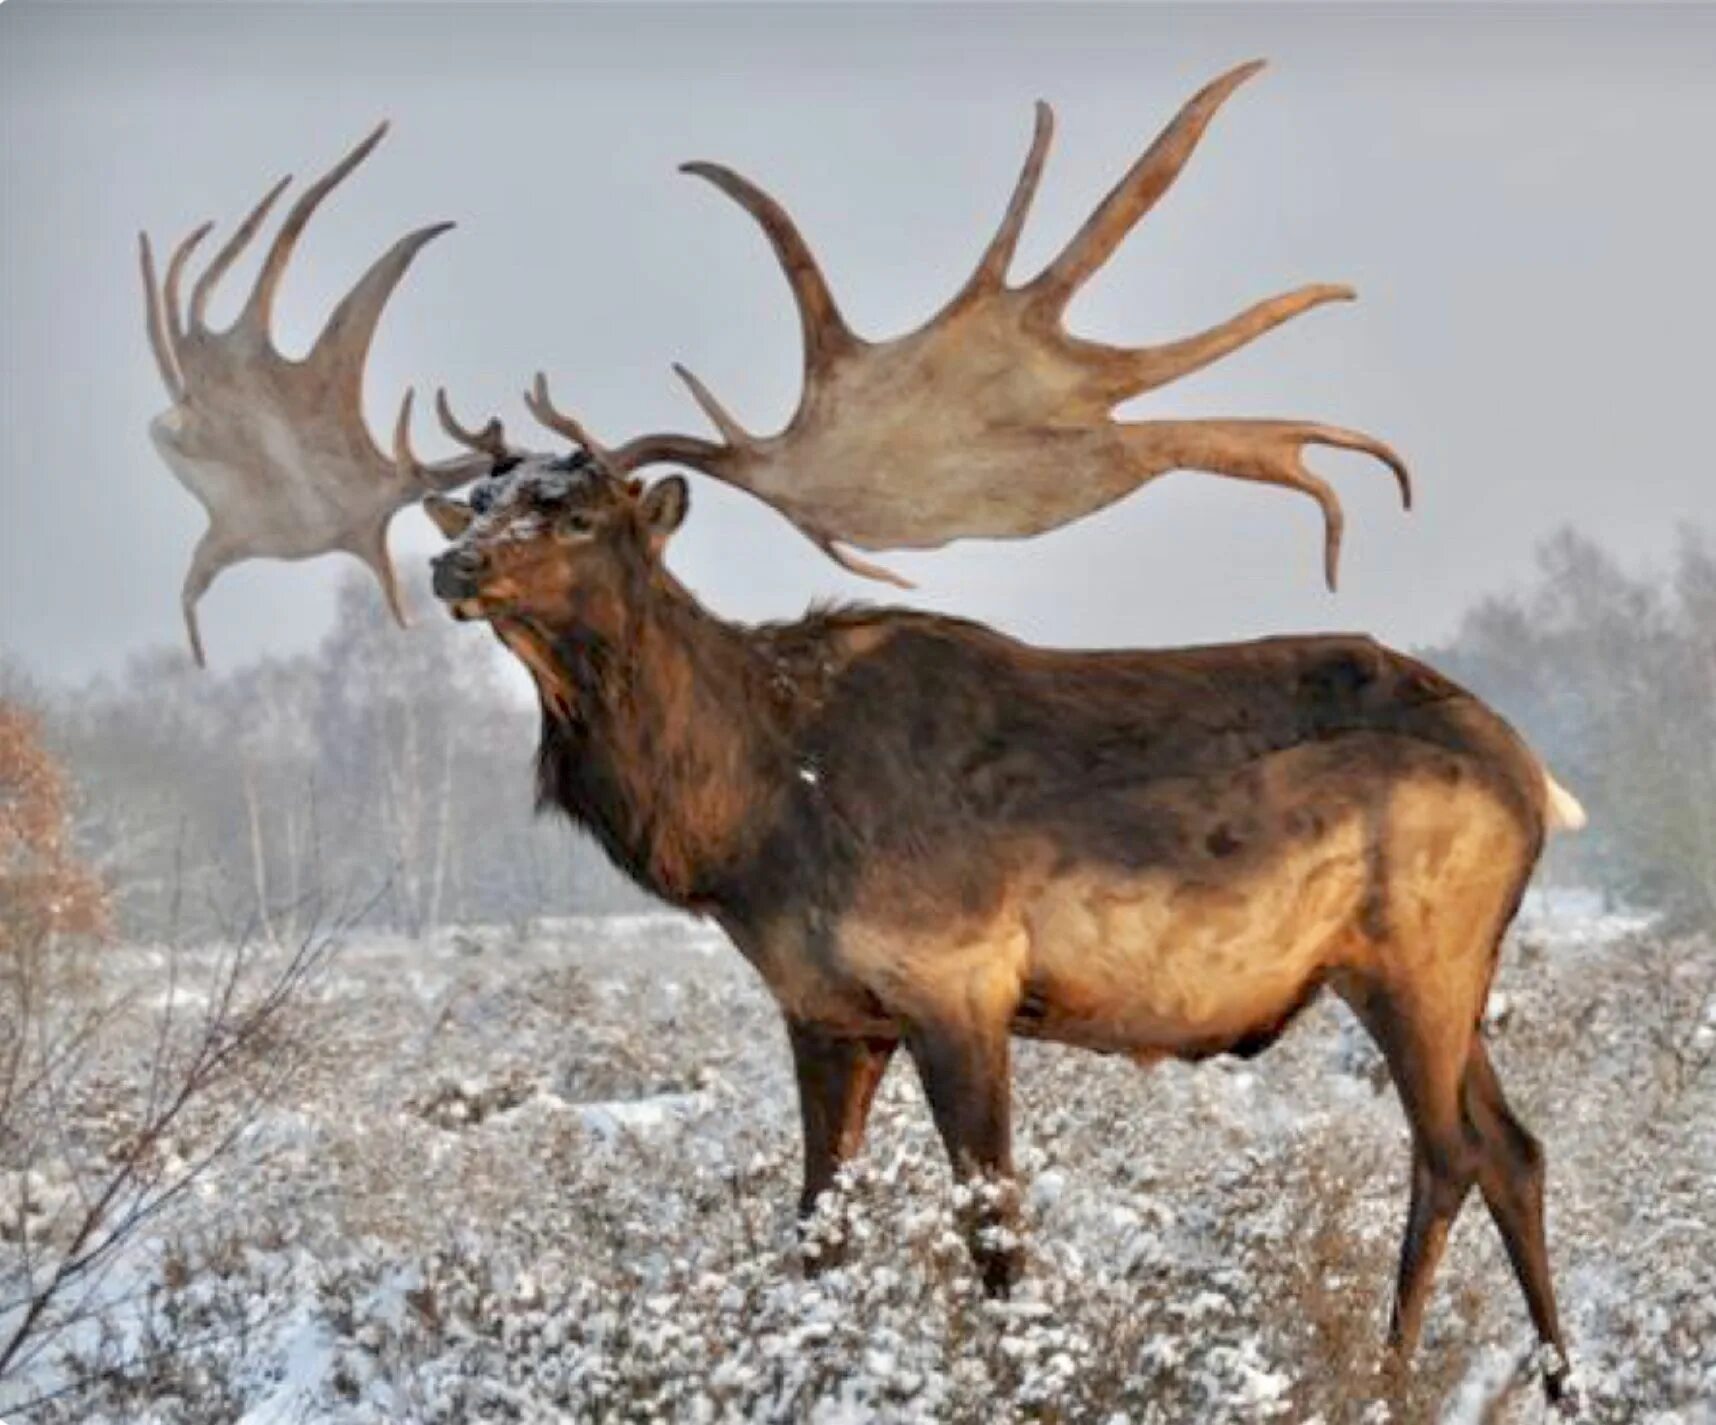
{"x": 965, "y": 1068}
{"x": 837, "y": 1079}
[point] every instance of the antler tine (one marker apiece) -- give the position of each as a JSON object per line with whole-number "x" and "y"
{"x": 420, "y": 478}
{"x": 732, "y": 432}
{"x": 345, "y": 338}
{"x": 826, "y": 335}
{"x": 541, "y": 405}
{"x": 1265, "y": 451}
{"x": 1147, "y": 368}
{"x": 230, "y": 251}
{"x": 166, "y": 325}
{"x": 372, "y": 550}
{"x": 170, "y": 291}
{"x": 156, "y": 327}
{"x": 213, "y": 554}
{"x": 259, "y": 309}
{"x": 991, "y": 272}
{"x": 405, "y": 462}
{"x": 1344, "y": 439}
{"x": 1130, "y": 199}
{"x": 863, "y": 568}
{"x": 659, "y": 449}
{"x": 490, "y": 440}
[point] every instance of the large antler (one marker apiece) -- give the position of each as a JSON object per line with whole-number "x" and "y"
{"x": 277, "y": 450}
{"x": 992, "y": 420}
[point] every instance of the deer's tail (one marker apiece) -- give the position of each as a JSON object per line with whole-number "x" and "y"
{"x": 1561, "y": 808}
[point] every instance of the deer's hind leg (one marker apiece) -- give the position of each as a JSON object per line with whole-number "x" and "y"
{"x": 1450, "y": 863}
{"x": 1510, "y": 1174}
{"x": 1426, "y": 1053}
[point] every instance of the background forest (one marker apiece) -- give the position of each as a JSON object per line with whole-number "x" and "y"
{"x": 385, "y": 769}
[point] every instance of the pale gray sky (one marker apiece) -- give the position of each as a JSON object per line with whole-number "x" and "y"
{"x": 1521, "y": 195}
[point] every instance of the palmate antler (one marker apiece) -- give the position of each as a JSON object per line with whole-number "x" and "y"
{"x": 992, "y": 420}
{"x": 277, "y": 450}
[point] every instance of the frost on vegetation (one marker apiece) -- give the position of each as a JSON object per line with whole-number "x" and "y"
{"x": 561, "y": 1185}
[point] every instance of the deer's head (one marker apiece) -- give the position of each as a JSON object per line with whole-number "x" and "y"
{"x": 554, "y": 543}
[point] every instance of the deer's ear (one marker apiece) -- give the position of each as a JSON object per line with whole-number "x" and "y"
{"x": 452, "y": 517}
{"x": 664, "y": 506}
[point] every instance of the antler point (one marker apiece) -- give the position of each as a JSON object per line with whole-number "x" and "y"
{"x": 405, "y": 463}
{"x": 736, "y": 436}
{"x": 1403, "y": 477}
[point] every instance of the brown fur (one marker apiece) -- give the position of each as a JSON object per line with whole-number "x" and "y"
{"x": 922, "y": 832}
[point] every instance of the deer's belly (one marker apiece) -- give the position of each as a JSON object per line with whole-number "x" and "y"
{"x": 1154, "y": 962}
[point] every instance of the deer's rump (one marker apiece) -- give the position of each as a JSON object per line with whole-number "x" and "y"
{"x": 1326, "y": 861}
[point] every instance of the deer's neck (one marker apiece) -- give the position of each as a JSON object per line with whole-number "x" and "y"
{"x": 662, "y": 742}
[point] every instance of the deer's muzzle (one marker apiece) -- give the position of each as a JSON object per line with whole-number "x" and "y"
{"x": 454, "y": 575}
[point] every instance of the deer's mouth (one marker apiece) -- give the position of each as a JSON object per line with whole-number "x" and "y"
{"x": 468, "y": 595}
{"x": 460, "y": 588}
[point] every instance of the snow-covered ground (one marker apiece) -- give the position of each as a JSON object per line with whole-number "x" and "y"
{"x": 552, "y": 1176}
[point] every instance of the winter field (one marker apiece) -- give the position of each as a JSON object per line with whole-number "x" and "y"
{"x": 549, "y": 1173}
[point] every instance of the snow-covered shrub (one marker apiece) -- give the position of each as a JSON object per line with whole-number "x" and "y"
{"x": 611, "y": 1234}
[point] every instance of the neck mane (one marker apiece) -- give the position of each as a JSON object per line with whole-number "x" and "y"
{"x": 667, "y": 742}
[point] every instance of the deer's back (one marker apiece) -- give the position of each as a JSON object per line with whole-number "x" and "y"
{"x": 939, "y": 723}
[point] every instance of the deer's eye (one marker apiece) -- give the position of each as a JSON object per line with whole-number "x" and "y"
{"x": 575, "y": 522}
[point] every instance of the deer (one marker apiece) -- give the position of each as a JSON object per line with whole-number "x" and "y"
{"x": 925, "y": 835}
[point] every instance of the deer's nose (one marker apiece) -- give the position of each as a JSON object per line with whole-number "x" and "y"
{"x": 455, "y": 573}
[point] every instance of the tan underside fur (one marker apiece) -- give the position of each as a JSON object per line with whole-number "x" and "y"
{"x": 1404, "y": 894}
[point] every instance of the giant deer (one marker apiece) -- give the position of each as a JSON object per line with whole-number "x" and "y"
{"x": 922, "y": 833}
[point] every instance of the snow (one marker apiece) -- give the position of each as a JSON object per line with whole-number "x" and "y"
{"x": 553, "y": 1177}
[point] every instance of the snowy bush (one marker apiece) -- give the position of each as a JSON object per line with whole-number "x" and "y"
{"x": 559, "y": 1183}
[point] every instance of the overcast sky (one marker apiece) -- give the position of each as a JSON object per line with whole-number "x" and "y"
{"x": 1522, "y": 196}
